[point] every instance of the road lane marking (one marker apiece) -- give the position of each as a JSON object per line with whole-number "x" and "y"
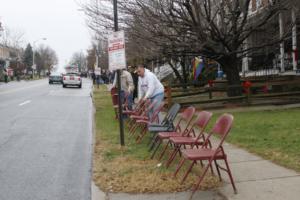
{"x": 24, "y": 103}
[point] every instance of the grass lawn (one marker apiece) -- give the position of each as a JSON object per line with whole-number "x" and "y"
{"x": 274, "y": 135}
{"x": 129, "y": 169}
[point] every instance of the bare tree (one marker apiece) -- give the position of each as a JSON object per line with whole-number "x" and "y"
{"x": 215, "y": 29}
{"x": 45, "y": 58}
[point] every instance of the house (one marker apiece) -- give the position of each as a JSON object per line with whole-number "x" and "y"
{"x": 278, "y": 57}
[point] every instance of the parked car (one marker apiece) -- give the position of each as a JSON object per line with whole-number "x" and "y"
{"x": 72, "y": 79}
{"x": 55, "y": 78}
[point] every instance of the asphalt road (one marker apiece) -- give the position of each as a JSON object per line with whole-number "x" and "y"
{"x": 45, "y": 141}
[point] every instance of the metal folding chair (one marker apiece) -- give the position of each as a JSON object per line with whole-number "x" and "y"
{"x": 191, "y": 139}
{"x": 180, "y": 130}
{"x": 221, "y": 128}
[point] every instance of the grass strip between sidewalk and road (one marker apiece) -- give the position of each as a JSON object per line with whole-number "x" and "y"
{"x": 130, "y": 169}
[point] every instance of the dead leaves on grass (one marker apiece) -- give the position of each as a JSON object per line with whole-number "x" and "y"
{"x": 129, "y": 175}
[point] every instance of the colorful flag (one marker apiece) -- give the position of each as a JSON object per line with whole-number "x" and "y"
{"x": 198, "y": 65}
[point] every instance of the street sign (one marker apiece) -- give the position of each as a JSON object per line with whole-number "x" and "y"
{"x": 116, "y": 50}
{"x": 98, "y": 71}
{"x": 34, "y": 67}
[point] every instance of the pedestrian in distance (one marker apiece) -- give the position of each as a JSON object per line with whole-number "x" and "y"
{"x": 127, "y": 87}
{"x": 149, "y": 87}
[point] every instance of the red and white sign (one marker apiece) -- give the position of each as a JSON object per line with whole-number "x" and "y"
{"x": 10, "y": 71}
{"x": 116, "y": 51}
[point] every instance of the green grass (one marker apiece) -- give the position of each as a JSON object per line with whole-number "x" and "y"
{"x": 274, "y": 135}
{"x": 110, "y": 132}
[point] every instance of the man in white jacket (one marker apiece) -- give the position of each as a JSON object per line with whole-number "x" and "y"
{"x": 149, "y": 87}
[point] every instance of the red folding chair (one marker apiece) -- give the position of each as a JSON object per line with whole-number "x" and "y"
{"x": 138, "y": 112}
{"x": 115, "y": 101}
{"x": 145, "y": 122}
{"x": 143, "y": 116}
{"x": 190, "y": 139}
{"x": 221, "y": 128}
{"x": 184, "y": 121}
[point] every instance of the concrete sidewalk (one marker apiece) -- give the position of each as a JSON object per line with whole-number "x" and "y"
{"x": 259, "y": 179}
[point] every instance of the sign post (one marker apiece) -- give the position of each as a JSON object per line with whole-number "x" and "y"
{"x": 117, "y": 61}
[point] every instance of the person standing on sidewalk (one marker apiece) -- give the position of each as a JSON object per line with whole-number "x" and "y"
{"x": 127, "y": 87}
{"x": 149, "y": 87}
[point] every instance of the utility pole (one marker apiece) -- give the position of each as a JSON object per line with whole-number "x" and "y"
{"x": 121, "y": 122}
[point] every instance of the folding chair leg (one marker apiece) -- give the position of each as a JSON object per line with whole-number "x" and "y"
{"x": 155, "y": 150}
{"x": 230, "y": 176}
{"x": 142, "y": 134}
{"x": 173, "y": 155}
{"x": 188, "y": 171}
{"x": 179, "y": 167}
{"x": 154, "y": 141}
{"x": 151, "y": 139}
{"x": 164, "y": 150}
{"x": 200, "y": 179}
{"x": 218, "y": 170}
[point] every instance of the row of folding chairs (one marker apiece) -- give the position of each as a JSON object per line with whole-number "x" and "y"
{"x": 191, "y": 141}
{"x": 187, "y": 137}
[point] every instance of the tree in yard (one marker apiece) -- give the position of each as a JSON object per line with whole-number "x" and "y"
{"x": 27, "y": 57}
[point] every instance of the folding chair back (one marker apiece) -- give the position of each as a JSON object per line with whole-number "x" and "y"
{"x": 222, "y": 128}
{"x": 172, "y": 113}
{"x": 201, "y": 122}
{"x": 185, "y": 120}
{"x": 114, "y": 97}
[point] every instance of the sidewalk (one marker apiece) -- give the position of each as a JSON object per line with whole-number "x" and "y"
{"x": 259, "y": 179}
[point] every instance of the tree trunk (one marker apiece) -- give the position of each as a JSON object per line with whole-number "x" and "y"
{"x": 183, "y": 66}
{"x": 230, "y": 67}
{"x": 177, "y": 74}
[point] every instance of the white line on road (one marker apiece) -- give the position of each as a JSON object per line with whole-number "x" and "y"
{"x": 24, "y": 103}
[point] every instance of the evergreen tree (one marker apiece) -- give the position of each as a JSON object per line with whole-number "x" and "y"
{"x": 27, "y": 57}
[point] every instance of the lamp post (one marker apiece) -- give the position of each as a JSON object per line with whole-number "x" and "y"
{"x": 33, "y": 56}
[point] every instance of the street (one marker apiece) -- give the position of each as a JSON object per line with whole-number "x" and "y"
{"x": 45, "y": 141}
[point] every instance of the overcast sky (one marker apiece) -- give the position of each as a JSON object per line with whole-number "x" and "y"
{"x": 57, "y": 20}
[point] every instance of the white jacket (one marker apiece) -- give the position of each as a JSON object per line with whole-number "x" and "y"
{"x": 149, "y": 86}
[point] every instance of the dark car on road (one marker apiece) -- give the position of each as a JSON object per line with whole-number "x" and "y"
{"x": 55, "y": 78}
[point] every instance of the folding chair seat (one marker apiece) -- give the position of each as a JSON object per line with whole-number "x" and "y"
{"x": 184, "y": 121}
{"x": 221, "y": 128}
